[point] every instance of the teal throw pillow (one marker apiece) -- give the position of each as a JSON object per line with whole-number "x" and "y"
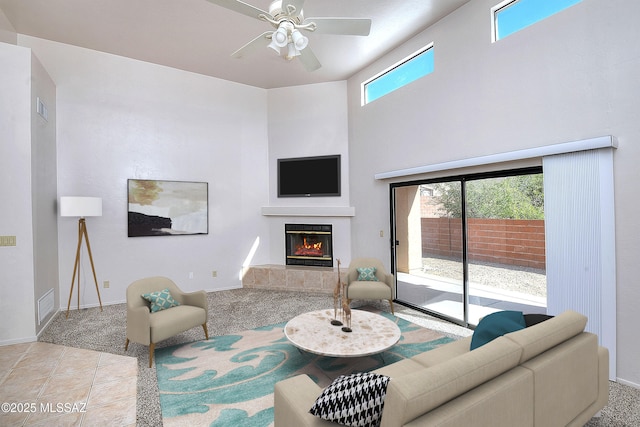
{"x": 495, "y": 325}
{"x": 367, "y": 274}
{"x": 160, "y": 300}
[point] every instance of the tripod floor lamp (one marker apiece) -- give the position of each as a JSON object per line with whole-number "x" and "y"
{"x": 81, "y": 207}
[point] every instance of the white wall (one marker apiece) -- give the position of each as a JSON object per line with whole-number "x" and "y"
{"x": 119, "y": 119}
{"x": 572, "y": 76}
{"x": 44, "y": 189}
{"x": 16, "y": 262}
{"x": 305, "y": 121}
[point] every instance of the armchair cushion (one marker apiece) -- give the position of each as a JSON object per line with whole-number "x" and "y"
{"x": 367, "y": 274}
{"x": 160, "y": 300}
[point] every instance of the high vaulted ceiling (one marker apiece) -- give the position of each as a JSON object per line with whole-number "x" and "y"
{"x": 198, "y": 36}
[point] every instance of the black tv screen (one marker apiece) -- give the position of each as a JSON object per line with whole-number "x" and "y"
{"x": 309, "y": 176}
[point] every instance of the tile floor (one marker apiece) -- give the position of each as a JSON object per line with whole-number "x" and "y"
{"x": 48, "y": 384}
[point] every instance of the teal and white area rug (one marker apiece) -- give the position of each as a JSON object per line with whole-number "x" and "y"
{"x": 228, "y": 380}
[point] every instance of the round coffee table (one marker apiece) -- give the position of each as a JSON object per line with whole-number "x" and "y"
{"x": 313, "y": 332}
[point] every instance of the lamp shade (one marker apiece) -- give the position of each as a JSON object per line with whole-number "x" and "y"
{"x": 80, "y": 206}
{"x": 280, "y": 37}
{"x": 299, "y": 40}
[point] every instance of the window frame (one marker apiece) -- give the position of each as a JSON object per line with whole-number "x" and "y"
{"x": 464, "y": 179}
{"x": 406, "y": 59}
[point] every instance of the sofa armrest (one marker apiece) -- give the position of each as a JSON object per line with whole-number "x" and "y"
{"x": 138, "y": 325}
{"x": 293, "y": 398}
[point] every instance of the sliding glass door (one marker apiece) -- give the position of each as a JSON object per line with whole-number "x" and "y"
{"x": 470, "y": 246}
{"x": 428, "y": 251}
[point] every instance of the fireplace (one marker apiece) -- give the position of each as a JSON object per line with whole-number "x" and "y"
{"x": 309, "y": 244}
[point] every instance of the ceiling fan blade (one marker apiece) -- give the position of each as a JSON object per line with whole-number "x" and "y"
{"x": 309, "y": 60}
{"x": 241, "y": 7}
{"x": 344, "y": 26}
{"x": 297, "y": 4}
{"x": 254, "y": 44}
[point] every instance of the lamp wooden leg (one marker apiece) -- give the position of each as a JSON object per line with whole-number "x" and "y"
{"x": 126, "y": 345}
{"x": 76, "y": 268}
{"x": 82, "y": 233}
{"x": 95, "y": 279}
{"x": 152, "y": 348}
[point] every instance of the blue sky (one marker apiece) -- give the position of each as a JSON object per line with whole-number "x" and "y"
{"x": 523, "y": 13}
{"x": 411, "y": 70}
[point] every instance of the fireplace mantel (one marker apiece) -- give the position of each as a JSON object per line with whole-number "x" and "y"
{"x": 319, "y": 211}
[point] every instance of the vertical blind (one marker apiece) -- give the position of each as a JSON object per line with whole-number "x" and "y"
{"x": 580, "y": 240}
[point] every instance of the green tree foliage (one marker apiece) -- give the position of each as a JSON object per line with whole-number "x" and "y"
{"x": 516, "y": 197}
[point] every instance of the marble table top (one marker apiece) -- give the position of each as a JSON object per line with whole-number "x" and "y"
{"x": 313, "y": 332}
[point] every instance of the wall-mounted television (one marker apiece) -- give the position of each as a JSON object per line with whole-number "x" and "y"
{"x": 309, "y": 176}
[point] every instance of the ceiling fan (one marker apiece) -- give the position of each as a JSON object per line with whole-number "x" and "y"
{"x": 287, "y": 17}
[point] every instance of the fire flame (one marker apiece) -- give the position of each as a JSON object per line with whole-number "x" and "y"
{"x": 309, "y": 249}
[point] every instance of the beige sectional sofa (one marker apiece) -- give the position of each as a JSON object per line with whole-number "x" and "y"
{"x": 549, "y": 374}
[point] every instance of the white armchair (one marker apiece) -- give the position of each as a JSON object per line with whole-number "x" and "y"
{"x": 147, "y": 328}
{"x": 383, "y": 288}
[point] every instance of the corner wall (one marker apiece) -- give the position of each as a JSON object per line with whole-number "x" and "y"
{"x": 309, "y": 120}
{"x": 44, "y": 190}
{"x": 118, "y": 119}
{"x": 16, "y": 262}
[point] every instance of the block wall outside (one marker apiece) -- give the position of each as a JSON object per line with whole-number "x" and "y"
{"x": 501, "y": 241}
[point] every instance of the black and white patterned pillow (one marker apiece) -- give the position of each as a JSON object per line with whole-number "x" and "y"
{"x": 353, "y": 400}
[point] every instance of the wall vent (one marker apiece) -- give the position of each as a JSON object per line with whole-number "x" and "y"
{"x": 45, "y": 305}
{"x": 41, "y": 109}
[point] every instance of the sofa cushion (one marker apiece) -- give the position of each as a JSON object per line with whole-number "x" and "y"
{"x": 353, "y": 400}
{"x": 539, "y": 338}
{"x": 160, "y": 300}
{"x": 566, "y": 380}
{"x": 443, "y": 353}
{"x": 167, "y": 323}
{"x": 411, "y": 395}
{"x": 367, "y": 274}
{"x": 495, "y": 325}
{"x": 400, "y": 368}
{"x": 369, "y": 290}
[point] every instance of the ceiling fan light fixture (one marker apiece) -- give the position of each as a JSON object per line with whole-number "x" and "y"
{"x": 292, "y": 52}
{"x": 274, "y": 46}
{"x": 280, "y": 37}
{"x": 299, "y": 40}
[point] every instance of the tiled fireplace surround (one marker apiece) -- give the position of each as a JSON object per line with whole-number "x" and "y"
{"x": 290, "y": 278}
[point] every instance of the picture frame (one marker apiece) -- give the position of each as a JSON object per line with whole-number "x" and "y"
{"x": 167, "y": 208}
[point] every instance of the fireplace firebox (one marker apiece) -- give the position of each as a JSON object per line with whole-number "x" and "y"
{"x": 309, "y": 244}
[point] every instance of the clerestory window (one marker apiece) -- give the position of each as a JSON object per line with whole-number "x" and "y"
{"x": 411, "y": 68}
{"x": 514, "y": 15}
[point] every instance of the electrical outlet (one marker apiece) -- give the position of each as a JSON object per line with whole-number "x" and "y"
{"x": 381, "y": 233}
{"x": 7, "y": 240}
{"x": 105, "y": 284}
{"x": 214, "y": 273}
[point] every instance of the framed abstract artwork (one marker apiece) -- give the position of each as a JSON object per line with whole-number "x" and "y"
{"x": 167, "y": 208}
